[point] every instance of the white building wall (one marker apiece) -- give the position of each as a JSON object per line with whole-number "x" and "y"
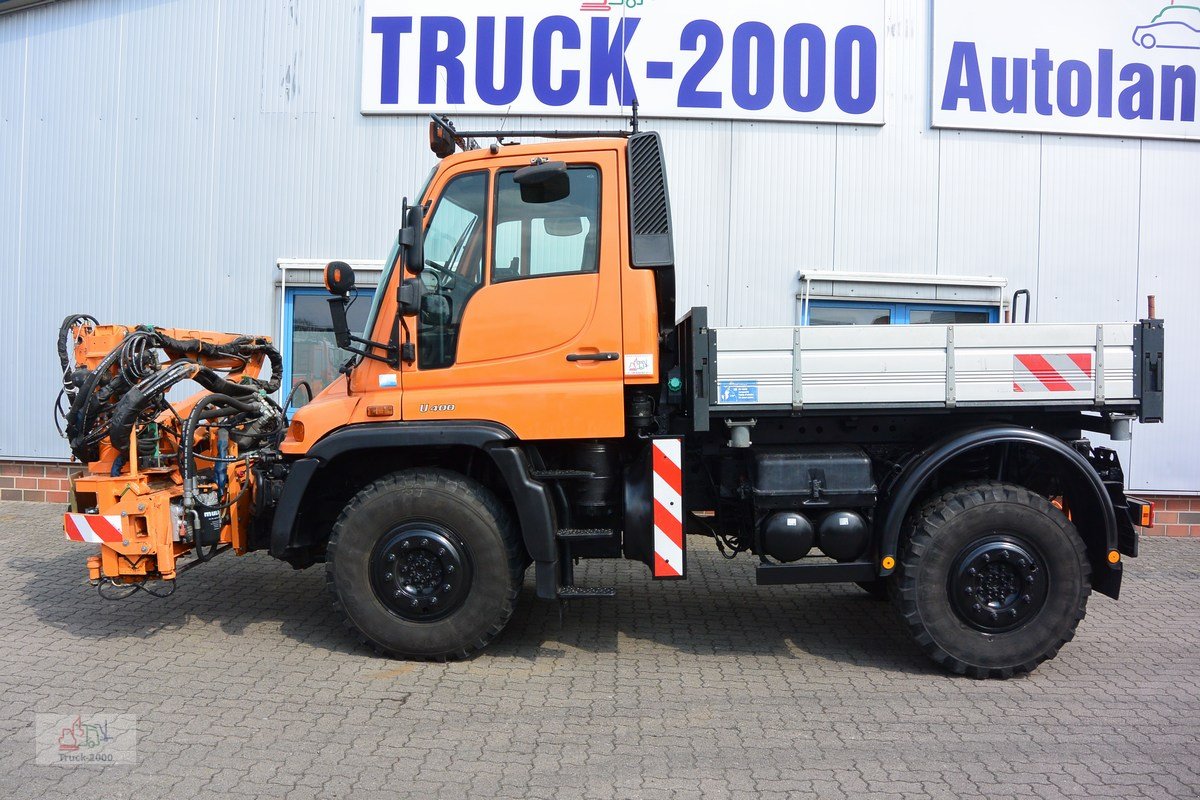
{"x": 157, "y": 157}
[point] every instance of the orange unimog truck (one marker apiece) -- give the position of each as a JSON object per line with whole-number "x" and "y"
{"x": 524, "y": 395}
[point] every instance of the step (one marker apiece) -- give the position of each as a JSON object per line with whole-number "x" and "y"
{"x": 560, "y": 474}
{"x": 586, "y": 592}
{"x": 584, "y": 534}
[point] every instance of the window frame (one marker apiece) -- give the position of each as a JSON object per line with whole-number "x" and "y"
{"x": 488, "y": 218}
{"x": 495, "y": 225}
{"x": 287, "y": 335}
{"x": 901, "y": 311}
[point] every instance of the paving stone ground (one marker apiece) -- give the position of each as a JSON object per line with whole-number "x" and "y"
{"x": 245, "y": 684}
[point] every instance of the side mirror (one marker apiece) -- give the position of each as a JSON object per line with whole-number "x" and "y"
{"x": 547, "y": 182}
{"x": 339, "y": 278}
{"x": 412, "y": 239}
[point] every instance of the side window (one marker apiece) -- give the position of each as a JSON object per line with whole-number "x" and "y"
{"x": 537, "y": 240}
{"x": 823, "y": 314}
{"x": 454, "y": 246}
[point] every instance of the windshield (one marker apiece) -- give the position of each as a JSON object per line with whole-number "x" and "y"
{"x": 388, "y": 267}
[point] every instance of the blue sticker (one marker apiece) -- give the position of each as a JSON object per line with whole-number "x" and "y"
{"x": 733, "y": 392}
{"x": 387, "y": 381}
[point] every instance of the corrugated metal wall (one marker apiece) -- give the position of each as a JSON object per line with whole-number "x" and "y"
{"x": 158, "y": 156}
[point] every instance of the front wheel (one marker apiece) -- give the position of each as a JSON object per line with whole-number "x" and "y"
{"x": 425, "y": 564}
{"x": 994, "y": 580}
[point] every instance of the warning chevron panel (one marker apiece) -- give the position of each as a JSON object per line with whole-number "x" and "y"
{"x": 1063, "y": 372}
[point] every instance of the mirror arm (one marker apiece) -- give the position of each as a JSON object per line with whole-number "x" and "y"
{"x": 345, "y": 340}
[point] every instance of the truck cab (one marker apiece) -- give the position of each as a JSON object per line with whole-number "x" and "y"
{"x": 529, "y": 305}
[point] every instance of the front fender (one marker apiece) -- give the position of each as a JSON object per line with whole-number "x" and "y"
{"x": 532, "y": 501}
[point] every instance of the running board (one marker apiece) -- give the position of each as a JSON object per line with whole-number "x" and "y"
{"x": 586, "y": 593}
{"x": 584, "y": 534}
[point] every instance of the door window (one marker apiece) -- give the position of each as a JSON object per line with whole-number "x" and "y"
{"x": 454, "y": 245}
{"x": 537, "y": 240}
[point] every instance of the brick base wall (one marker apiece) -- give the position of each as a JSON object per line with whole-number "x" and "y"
{"x": 1174, "y": 515}
{"x": 36, "y": 483}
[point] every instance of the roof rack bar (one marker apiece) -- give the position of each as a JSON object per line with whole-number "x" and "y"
{"x": 466, "y": 139}
{"x": 501, "y": 135}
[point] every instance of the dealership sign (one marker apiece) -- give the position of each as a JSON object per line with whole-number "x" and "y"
{"x": 1100, "y": 67}
{"x": 802, "y": 61}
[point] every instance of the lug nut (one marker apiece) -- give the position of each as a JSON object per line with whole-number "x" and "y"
{"x": 388, "y": 577}
{"x": 391, "y": 557}
{"x": 399, "y": 593}
{"x": 449, "y": 568}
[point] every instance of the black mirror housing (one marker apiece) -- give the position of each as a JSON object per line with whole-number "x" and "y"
{"x": 410, "y": 297}
{"x": 547, "y": 182}
{"x": 412, "y": 239}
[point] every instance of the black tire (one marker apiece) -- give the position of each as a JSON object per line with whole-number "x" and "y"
{"x": 878, "y": 588}
{"x": 393, "y": 512}
{"x": 956, "y": 586}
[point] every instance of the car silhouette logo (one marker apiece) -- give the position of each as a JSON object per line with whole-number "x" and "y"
{"x": 1175, "y": 27}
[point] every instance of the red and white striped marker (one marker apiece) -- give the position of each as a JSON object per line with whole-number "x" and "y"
{"x": 94, "y": 528}
{"x": 669, "y": 542}
{"x": 1071, "y": 372}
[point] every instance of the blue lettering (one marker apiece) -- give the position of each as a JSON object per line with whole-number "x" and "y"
{"x": 690, "y": 95}
{"x": 1018, "y": 101}
{"x": 964, "y": 81}
{"x": 392, "y": 28}
{"x": 1042, "y": 67}
{"x": 434, "y": 57}
{"x": 1186, "y": 76}
{"x": 1104, "y": 92}
{"x": 608, "y": 58}
{"x": 543, "y": 42}
{"x": 485, "y": 61}
{"x": 843, "y": 66}
{"x": 1074, "y": 88}
{"x": 1141, "y": 92}
{"x": 753, "y": 37}
{"x": 794, "y": 68}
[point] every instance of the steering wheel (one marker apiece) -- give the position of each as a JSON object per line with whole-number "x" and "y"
{"x": 444, "y": 278}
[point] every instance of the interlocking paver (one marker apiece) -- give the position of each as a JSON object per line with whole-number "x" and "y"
{"x": 245, "y": 684}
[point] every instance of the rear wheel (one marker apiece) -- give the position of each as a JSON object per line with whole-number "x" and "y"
{"x": 994, "y": 580}
{"x": 425, "y": 564}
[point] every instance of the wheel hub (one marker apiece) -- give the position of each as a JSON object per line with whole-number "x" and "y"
{"x": 420, "y": 571}
{"x": 998, "y": 584}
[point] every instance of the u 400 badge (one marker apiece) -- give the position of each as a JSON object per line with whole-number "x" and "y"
{"x": 428, "y": 409}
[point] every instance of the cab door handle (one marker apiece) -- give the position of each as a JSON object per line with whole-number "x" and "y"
{"x": 574, "y": 357}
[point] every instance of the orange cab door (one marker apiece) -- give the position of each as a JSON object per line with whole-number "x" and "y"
{"x": 521, "y": 323}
